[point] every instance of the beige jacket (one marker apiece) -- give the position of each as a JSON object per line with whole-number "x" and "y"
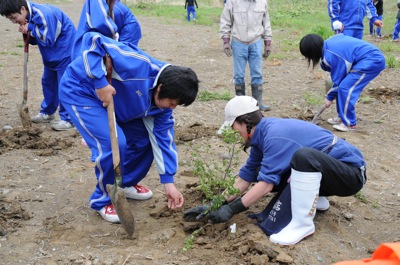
{"x": 246, "y": 20}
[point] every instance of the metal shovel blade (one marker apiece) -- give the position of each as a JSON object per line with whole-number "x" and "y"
{"x": 121, "y": 205}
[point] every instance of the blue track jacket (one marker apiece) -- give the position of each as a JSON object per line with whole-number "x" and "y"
{"x": 342, "y": 54}
{"x": 53, "y": 32}
{"x": 351, "y": 12}
{"x": 94, "y": 17}
{"x": 275, "y": 140}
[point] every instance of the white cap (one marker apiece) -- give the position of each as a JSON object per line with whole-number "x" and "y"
{"x": 236, "y": 107}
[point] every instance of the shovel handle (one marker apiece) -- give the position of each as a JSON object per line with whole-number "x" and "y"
{"x": 314, "y": 120}
{"x": 113, "y": 128}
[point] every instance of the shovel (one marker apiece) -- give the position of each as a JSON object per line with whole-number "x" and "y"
{"x": 314, "y": 120}
{"x": 115, "y": 191}
{"x": 23, "y": 108}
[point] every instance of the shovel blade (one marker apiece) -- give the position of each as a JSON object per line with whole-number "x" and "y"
{"x": 24, "y": 115}
{"x": 121, "y": 205}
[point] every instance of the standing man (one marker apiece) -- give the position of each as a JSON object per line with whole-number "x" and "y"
{"x": 348, "y": 16}
{"x": 248, "y": 24}
{"x": 189, "y": 5}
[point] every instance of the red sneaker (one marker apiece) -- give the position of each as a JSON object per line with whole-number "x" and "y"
{"x": 138, "y": 192}
{"x": 109, "y": 214}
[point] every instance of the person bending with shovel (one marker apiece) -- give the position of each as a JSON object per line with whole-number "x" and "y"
{"x": 314, "y": 161}
{"x": 145, "y": 92}
{"x": 352, "y": 64}
{"x": 53, "y": 32}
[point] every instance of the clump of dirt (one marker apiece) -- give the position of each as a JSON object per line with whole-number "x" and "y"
{"x": 31, "y": 138}
{"x": 11, "y": 212}
{"x": 195, "y": 131}
{"x": 386, "y": 92}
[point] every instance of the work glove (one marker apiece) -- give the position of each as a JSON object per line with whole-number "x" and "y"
{"x": 227, "y": 47}
{"x": 225, "y": 212}
{"x": 337, "y": 26}
{"x": 196, "y": 213}
{"x": 267, "y": 48}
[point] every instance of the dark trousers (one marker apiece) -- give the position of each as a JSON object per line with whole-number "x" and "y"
{"x": 338, "y": 178}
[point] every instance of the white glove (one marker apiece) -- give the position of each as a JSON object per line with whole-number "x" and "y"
{"x": 116, "y": 36}
{"x": 337, "y": 25}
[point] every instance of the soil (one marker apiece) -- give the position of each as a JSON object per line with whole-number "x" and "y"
{"x": 46, "y": 177}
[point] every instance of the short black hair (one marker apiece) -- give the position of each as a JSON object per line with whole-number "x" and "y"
{"x": 179, "y": 83}
{"x": 311, "y": 47}
{"x": 8, "y": 7}
{"x": 251, "y": 120}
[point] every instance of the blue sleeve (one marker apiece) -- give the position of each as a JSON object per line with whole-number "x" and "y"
{"x": 161, "y": 133}
{"x": 372, "y": 9}
{"x": 131, "y": 33}
{"x": 44, "y": 26}
{"x": 334, "y": 9}
{"x": 128, "y": 27}
{"x": 98, "y": 18}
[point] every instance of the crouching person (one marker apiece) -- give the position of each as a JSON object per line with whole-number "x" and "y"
{"x": 314, "y": 161}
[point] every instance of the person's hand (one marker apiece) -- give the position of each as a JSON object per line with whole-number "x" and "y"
{"x": 227, "y": 47}
{"x": 105, "y": 94}
{"x": 267, "y": 48}
{"x": 337, "y": 26}
{"x": 328, "y": 103}
{"x": 23, "y": 28}
{"x": 378, "y": 23}
{"x": 174, "y": 196}
{"x": 225, "y": 212}
{"x": 196, "y": 213}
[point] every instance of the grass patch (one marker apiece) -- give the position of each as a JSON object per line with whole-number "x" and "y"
{"x": 208, "y": 96}
{"x": 313, "y": 99}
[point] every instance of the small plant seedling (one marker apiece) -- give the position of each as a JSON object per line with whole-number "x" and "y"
{"x": 216, "y": 177}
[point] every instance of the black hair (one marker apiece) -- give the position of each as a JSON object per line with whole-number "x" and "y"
{"x": 311, "y": 47}
{"x": 179, "y": 83}
{"x": 8, "y": 7}
{"x": 251, "y": 120}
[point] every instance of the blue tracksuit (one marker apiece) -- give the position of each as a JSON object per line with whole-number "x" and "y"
{"x": 351, "y": 13}
{"x": 53, "y": 32}
{"x": 145, "y": 132}
{"x": 353, "y": 63}
{"x": 94, "y": 17}
{"x": 275, "y": 140}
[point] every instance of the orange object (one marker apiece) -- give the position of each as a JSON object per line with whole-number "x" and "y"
{"x": 385, "y": 254}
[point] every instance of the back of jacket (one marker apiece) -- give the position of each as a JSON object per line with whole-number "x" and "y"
{"x": 134, "y": 76}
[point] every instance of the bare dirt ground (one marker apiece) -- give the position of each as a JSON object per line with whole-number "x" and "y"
{"x": 46, "y": 177}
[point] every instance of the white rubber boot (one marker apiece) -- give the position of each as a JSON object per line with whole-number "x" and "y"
{"x": 322, "y": 204}
{"x": 304, "y": 187}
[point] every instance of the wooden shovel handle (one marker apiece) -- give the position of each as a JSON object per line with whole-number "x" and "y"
{"x": 113, "y": 127}
{"x": 27, "y": 38}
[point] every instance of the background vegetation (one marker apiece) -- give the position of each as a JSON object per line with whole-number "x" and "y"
{"x": 290, "y": 19}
